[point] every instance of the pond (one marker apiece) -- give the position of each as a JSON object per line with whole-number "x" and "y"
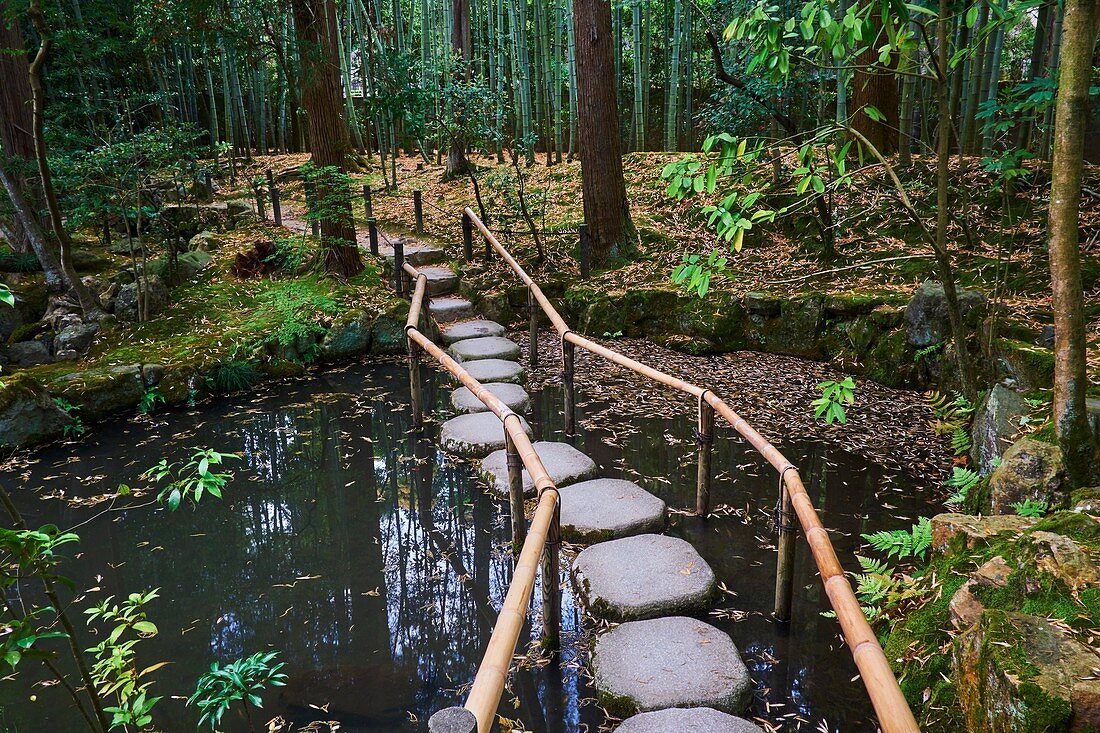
{"x": 375, "y": 564}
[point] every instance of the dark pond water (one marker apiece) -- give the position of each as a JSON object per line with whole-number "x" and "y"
{"x": 375, "y": 565}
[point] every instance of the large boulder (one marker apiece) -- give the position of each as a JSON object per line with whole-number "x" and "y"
{"x": 29, "y": 353}
{"x": 926, "y": 320}
{"x": 350, "y": 335}
{"x": 1021, "y": 673}
{"x": 28, "y": 414}
{"x": 187, "y": 220}
{"x": 963, "y": 531}
{"x": 1030, "y": 469}
{"x": 126, "y": 304}
{"x": 996, "y": 423}
{"x": 205, "y": 242}
{"x": 102, "y": 392}
{"x": 77, "y": 337}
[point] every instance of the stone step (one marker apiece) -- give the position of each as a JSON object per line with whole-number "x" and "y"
{"x": 450, "y": 308}
{"x": 608, "y": 508}
{"x": 670, "y": 662}
{"x": 415, "y": 253}
{"x": 563, "y": 462}
{"x": 642, "y": 577}
{"x": 486, "y": 347}
{"x": 495, "y": 370}
{"x": 476, "y": 435}
{"x": 471, "y": 330}
{"x": 687, "y": 720}
{"x": 513, "y": 395}
{"x": 441, "y": 280}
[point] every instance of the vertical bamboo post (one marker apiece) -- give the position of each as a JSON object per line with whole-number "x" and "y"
{"x": 784, "y": 570}
{"x": 398, "y": 266}
{"x": 467, "y": 237}
{"x": 418, "y": 210}
{"x": 416, "y": 400}
{"x": 311, "y": 206}
{"x": 515, "y": 493}
{"x": 583, "y": 253}
{"x": 567, "y": 382}
{"x": 551, "y": 590}
{"x": 261, "y": 210}
{"x": 372, "y": 228}
{"x": 704, "y": 442}
{"x": 276, "y": 204}
{"x": 368, "y": 205}
{"x": 533, "y": 330}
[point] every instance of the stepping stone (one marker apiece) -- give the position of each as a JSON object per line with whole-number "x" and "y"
{"x": 475, "y": 435}
{"x": 441, "y": 280}
{"x": 417, "y": 254}
{"x": 563, "y": 462}
{"x": 608, "y": 508}
{"x": 486, "y": 347}
{"x": 669, "y": 662}
{"x": 642, "y": 577}
{"x": 450, "y": 308}
{"x": 687, "y": 720}
{"x": 513, "y": 395}
{"x": 471, "y": 330}
{"x": 495, "y": 370}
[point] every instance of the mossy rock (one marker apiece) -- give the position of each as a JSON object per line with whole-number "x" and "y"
{"x": 1031, "y": 366}
{"x": 28, "y": 415}
{"x": 85, "y": 261}
{"x": 348, "y": 336}
{"x": 102, "y": 392}
{"x": 388, "y": 330}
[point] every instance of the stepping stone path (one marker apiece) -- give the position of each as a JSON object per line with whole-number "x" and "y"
{"x": 671, "y": 672}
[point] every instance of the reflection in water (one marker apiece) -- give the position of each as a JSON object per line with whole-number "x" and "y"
{"x": 377, "y": 565}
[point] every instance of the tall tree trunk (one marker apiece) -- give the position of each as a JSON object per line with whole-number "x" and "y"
{"x": 31, "y": 229}
{"x": 16, "y": 120}
{"x": 875, "y": 86}
{"x": 611, "y": 232}
{"x": 1080, "y": 26}
{"x": 461, "y": 44}
{"x": 329, "y": 141}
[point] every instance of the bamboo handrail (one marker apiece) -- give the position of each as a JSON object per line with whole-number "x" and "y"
{"x": 882, "y": 686}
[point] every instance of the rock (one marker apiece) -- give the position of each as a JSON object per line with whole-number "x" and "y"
{"x": 126, "y": 304}
{"x": 965, "y": 609}
{"x": 642, "y": 577}
{"x": 236, "y": 207}
{"x": 495, "y": 370}
{"x": 66, "y": 355}
{"x": 996, "y": 423}
{"x": 1020, "y": 673}
{"x": 486, "y": 347}
{"x": 151, "y": 375}
{"x": 77, "y": 338}
{"x": 760, "y": 304}
{"x": 563, "y": 462}
{"x": 1064, "y": 559}
{"x": 1030, "y": 469}
{"x": 1087, "y": 501}
{"x": 102, "y": 392}
{"x": 668, "y": 662}
{"x": 188, "y": 265}
{"x": 450, "y": 308}
{"x": 187, "y": 220}
{"x": 205, "y": 242}
{"x": 1027, "y": 366}
{"x": 971, "y": 531}
{"x": 10, "y": 319}
{"x": 349, "y": 335}
{"x": 28, "y": 415}
{"x": 475, "y": 435}
{"x": 608, "y": 508}
{"x": 1092, "y": 413}
{"x": 441, "y": 280}
{"x": 471, "y": 330}
{"x": 1046, "y": 337}
{"x": 512, "y": 395}
{"x": 29, "y": 353}
{"x": 926, "y": 315}
{"x": 85, "y": 261}
{"x": 687, "y": 720}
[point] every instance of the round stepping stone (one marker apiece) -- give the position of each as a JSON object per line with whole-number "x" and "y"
{"x": 687, "y": 720}
{"x": 495, "y": 370}
{"x": 486, "y": 347}
{"x": 422, "y": 254}
{"x": 563, "y": 462}
{"x": 450, "y": 308}
{"x": 642, "y": 577}
{"x": 471, "y": 330}
{"x": 513, "y": 395}
{"x": 475, "y": 435}
{"x": 607, "y": 508}
{"x": 669, "y": 662}
{"x": 441, "y": 280}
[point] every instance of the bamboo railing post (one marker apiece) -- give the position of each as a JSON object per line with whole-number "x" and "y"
{"x": 467, "y": 237}
{"x": 418, "y": 210}
{"x": 551, "y": 585}
{"x": 261, "y": 210}
{"x": 276, "y": 204}
{"x": 567, "y": 361}
{"x": 704, "y": 441}
{"x": 784, "y": 570}
{"x": 515, "y": 493}
{"x": 533, "y": 330}
{"x": 398, "y": 266}
{"x": 311, "y": 206}
{"x": 372, "y": 229}
{"x": 416, "y": 399}
{"x": 368, "y": 205}
{"x": 452, "y": 720}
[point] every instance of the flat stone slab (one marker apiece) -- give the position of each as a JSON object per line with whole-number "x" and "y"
{"x": 642, "y": 577}
{"x": 669, "y": 662}
{"x": 471, "y": 330}
{"x": 495, "y": 370}
{"x": 687, "y": 720}
{"x": 441, "y": 280}
{"x": 608, "y": 508}
{"x": 415, "y": 253}
{"x": 475, "y": 435}
{"x": 486, "y": 347}
{"x": 450, "y": 308}
{"x": 513, "y": 395}
{"x": 563, "y": 462}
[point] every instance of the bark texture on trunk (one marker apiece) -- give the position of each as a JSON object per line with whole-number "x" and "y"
{"x": 16, "y": 119}
{"x": 1082, "y": 18}
{"x": 874, "y": 86}
{"x": 606, "y": 212}
{"x": 329, "y": 141}
{"x": 462, "y": 45}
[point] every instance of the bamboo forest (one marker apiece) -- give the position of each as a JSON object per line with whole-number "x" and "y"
{"x": 550, "y": 366}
